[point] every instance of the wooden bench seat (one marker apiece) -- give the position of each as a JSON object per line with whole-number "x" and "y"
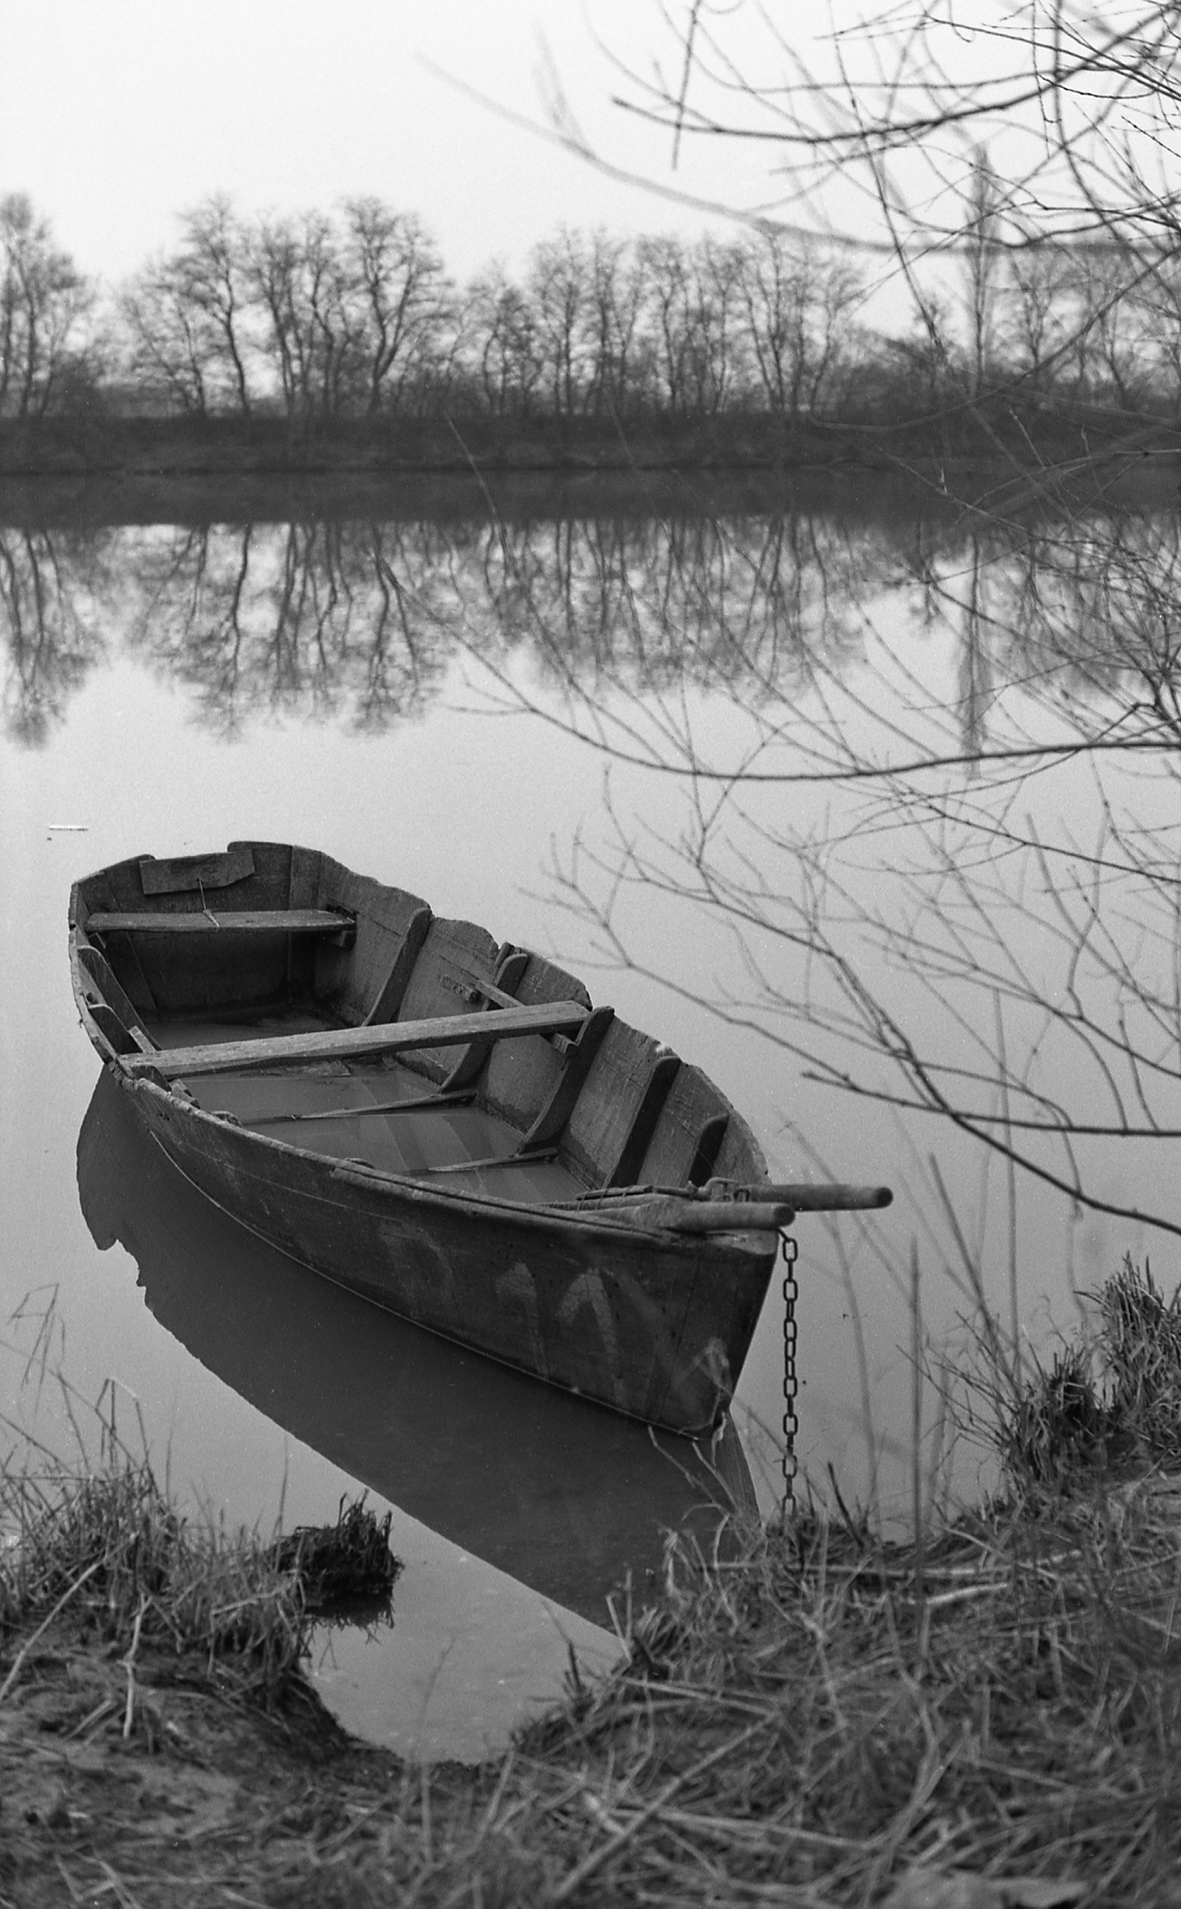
{"x": 394, "y": 1037}
{"x": 248, "y": 921}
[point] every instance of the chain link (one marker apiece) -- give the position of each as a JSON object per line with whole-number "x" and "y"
{"x": 791, "y": 1386}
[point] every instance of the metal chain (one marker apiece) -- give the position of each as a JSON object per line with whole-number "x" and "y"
{"x": 791, "y": 1385}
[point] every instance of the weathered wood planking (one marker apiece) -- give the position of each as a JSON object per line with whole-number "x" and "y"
{"x": 98, "y": 970}
{"x": 576, "y": 1063}
{"x": 689, "y": 1133}
{"x": 613, "y": 1121}
{"x": 367, "y": 981}
{"x": 189, "y": 874}
{"x": 510, "y": 967}
{"x": 519, "y": 1082}
{"x": 201, "y": 972}
{"x": 731, "y": 1162}
{"x": 396, "y": 1037}
{"x": 450, "y": 951}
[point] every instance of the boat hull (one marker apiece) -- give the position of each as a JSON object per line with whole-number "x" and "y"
{"x": 654, "y": 1326}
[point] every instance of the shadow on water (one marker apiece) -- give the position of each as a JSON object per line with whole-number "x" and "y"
{"x": 560, "y": 1494}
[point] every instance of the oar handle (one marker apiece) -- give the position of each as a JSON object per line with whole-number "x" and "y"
{"x": 810, "y": 1197}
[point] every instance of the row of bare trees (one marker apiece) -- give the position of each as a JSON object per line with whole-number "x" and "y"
{"x": 354, "y": 316}
{"x": 320, "y": 317}
{"x": 311, "y": 315}
{"x": 351, "y": 315}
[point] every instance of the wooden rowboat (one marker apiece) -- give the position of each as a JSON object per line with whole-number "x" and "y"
{"x": 438, "y": 1122}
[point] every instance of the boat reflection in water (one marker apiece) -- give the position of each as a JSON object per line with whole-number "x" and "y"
{"x": 561, "y": 1494}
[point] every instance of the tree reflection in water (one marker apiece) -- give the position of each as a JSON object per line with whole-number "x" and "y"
{"x": 361, "y": 623}
{"x": 52, "y": 584}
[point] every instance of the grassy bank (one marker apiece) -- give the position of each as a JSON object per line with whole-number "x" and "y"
{"x": 101, "y": 443}
{"x": 85, "y": 473}
{"x": 986, "y": 1714}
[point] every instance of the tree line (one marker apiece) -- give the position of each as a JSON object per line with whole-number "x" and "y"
{"x": 319, "y": 317}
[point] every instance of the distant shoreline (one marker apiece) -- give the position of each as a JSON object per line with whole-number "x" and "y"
{"x": 97, "y": 469}
{"x": 187, "y": 447}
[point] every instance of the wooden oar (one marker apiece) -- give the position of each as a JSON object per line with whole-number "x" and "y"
{"x": 803, "y": 1196}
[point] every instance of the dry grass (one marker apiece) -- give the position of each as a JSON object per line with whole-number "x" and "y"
{"x": 346, "y": 1569}
{"x": 1108, "y": 1402}
{"x": 106, "y": 1545}
{"x": 993, "y": 1717}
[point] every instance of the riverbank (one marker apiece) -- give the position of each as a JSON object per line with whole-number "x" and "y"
{"x": 100, "y": 443}
{"x": 96, "y": 471}
{"x": 810, "y": 1723}
{"x": 985, "y": 1716}
{"x": 104, "y": 444}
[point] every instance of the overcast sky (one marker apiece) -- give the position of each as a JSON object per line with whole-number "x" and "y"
{"x": 117, "y": 114}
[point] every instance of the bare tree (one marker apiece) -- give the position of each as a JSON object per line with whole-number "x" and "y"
{"x": 1036, "y": 317}
{"x": 798, "y": 307}
{"x": 187, "y": 319}
{"x": 500, "y": 343}
{"x": 1159, "y": 306}
{"x": 211, "y": 269}
{"x": 558, "y": 291}
{"x": 615, "y": 304}
{"x": 693, "y": 319}
{"x": 166, "y": 358}
{"x": 314, "y": 328}
{"x": 44, "y": 304}
{"x": 398, "y": 283}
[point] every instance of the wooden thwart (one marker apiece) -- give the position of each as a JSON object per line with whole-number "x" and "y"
{"x": 249, "y": 921}
{"x": 396, "y": 1037}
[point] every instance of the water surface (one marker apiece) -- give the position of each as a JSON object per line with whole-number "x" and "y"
{"x": 482, "y": 710}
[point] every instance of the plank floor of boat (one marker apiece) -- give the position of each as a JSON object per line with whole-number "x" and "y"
{"x": 397, "y": 1143}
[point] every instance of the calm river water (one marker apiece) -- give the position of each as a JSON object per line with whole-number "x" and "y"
{"x": 485, "y": 709}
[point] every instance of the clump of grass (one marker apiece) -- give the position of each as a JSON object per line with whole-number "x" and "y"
{"x": 341, "y": 1568}
{"x": 107, "y": 1544}
{"x": 1141, "y": 1348}
{"x": 1109, "y": 1402}
{"x": 1057, "y": 1428}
